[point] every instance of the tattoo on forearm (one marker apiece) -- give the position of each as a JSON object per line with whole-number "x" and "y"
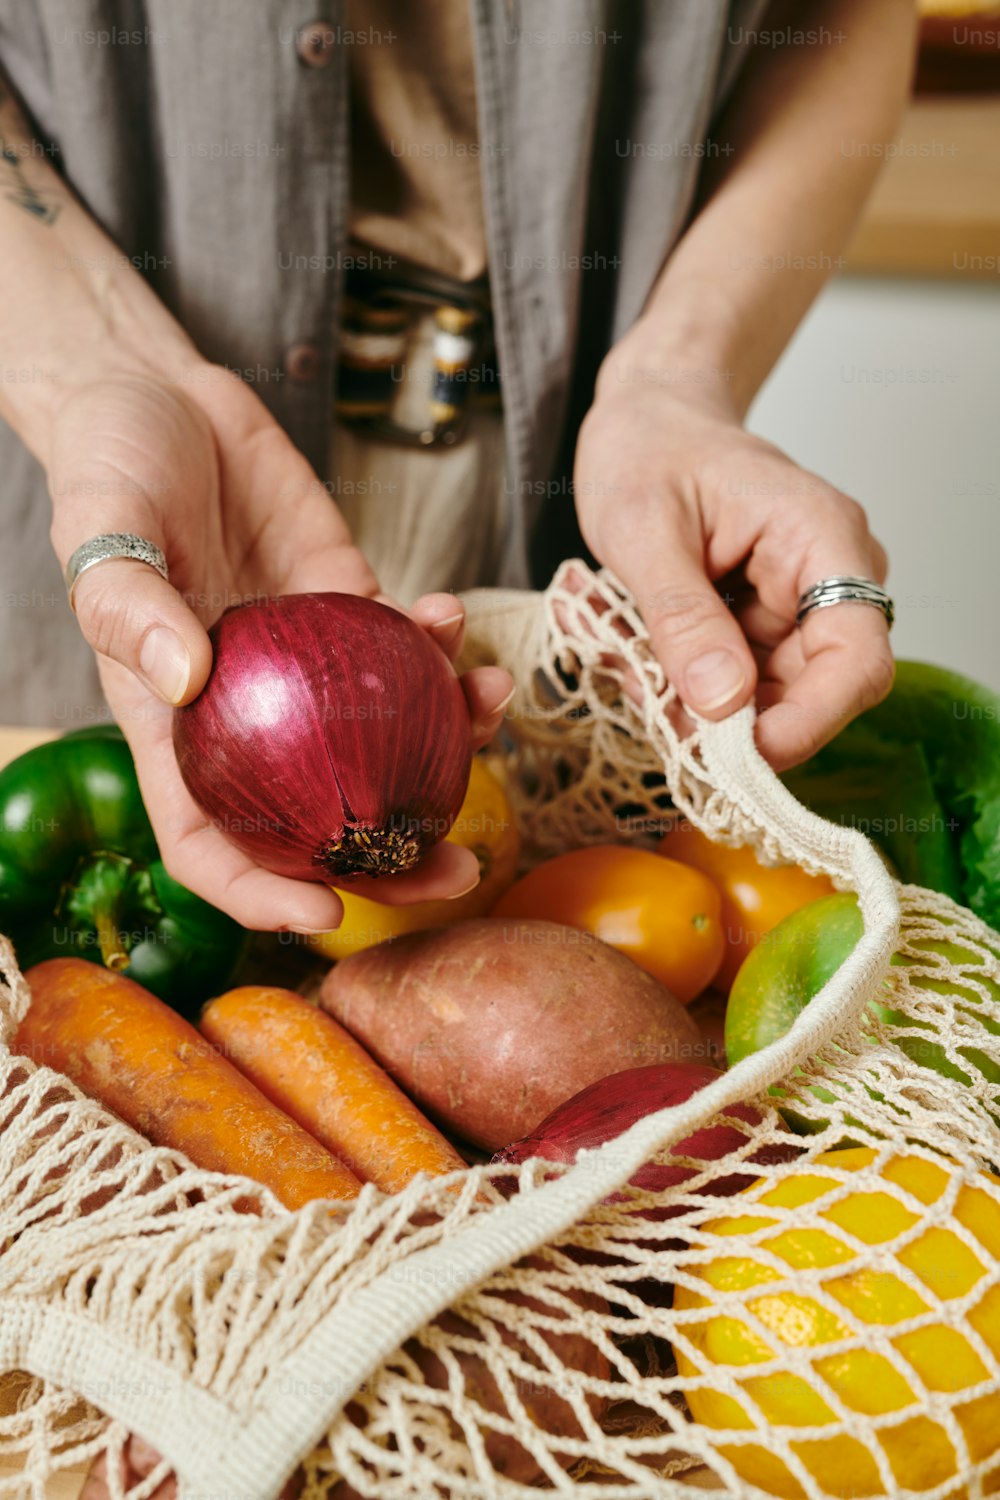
{"x": 41, "y": 204}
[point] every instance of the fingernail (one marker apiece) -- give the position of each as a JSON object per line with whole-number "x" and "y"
{"x": 488, "y": 725}
{"x": 164, "y": 662}
{"x": 468, "y": 888}
{"x": 447, "y": 629}
{"x": 711, "y": 680}
{"x": 308, "y": 930}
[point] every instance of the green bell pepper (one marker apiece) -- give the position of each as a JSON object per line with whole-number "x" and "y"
{"x": 81, "y": 876}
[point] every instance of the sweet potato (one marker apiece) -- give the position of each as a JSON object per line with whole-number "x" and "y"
{"x": 545, "y": 1400}
{"x": 492, "y": 1023}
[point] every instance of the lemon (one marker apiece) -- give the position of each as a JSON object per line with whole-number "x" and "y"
{"x": 923, "y": 1270}
{"x": 485, "y": 824}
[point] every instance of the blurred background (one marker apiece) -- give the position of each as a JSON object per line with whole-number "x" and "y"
{"x": 891, "y": 388}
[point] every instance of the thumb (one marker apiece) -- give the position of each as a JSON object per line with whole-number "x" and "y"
{"x": 127, "y": 612}
{"x": 695, "y": 637}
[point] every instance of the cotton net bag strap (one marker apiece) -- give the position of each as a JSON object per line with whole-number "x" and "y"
{"x": 595, "y": 728}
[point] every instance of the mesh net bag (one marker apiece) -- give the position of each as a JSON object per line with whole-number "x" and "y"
{"x": 833, "y": 1329}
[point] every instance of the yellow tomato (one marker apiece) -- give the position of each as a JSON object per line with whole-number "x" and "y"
{"x": 664, "y": 915}
{"x": 755, "y": 897}
{"x": 485, "y": 825}
{"x": 828, "y": 1312}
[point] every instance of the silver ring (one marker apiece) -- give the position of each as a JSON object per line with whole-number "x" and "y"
{"x": 844, "y": 590}
{"x": 113, "y": 544}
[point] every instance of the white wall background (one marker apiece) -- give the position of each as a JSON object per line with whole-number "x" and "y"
{"x": 891, "y": 390}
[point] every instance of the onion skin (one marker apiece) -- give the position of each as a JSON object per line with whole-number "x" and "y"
{"x": 331, "y": 740}
{"x": 609, "y": 1107}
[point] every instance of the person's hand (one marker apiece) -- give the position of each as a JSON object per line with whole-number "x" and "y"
{"x": 198, "y": 465}
{"x": 138, "y": 1462}
{"x": 717, "y": 534}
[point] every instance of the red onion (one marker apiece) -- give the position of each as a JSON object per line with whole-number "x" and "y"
{"x": 609, "y": 1107}
{"x": 332, "y": 738}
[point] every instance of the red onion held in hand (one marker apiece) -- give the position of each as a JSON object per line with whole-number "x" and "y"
{"x": 332, "y": 738}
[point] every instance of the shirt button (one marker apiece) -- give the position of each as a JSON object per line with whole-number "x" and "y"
{"x": 314, "y": 43}
{"x": 303, "y": 363}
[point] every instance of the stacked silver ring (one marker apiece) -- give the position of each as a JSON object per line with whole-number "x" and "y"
{"x": 845, "y": 590}
{"x": 113, "y": 544}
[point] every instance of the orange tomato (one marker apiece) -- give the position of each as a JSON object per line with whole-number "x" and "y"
{"x": 666, "y": 916}
{"x": 755, "y": 897}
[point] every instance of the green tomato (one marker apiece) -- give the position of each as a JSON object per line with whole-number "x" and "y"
{"x": 787, "y": 968}
{"x": 793, "y": 962}
{"x": 781, "y": 975}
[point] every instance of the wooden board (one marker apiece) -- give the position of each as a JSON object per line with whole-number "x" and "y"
{"x": 935, "y": 210}
{"x": 14, "y": 742}
{"x": 66, "y": 1485}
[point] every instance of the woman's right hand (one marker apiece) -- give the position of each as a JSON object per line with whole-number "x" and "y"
{"x": 197, "y": 464}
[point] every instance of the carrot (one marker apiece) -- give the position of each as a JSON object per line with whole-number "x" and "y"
{"x": 150, "y": 1067}
{"x": 307, "y": 1064}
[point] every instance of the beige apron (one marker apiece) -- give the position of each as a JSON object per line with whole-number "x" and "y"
{"x": 426, "y": 519}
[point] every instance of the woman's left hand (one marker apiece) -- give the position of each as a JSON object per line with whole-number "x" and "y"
{"x": 717, "y": 534}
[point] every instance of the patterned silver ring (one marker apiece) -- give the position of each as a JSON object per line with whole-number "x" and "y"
{"x": 845, "y": 590}
{"x": 113, "y": 544}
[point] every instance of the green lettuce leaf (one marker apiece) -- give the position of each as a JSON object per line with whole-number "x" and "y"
{"x": 920, "y": 775}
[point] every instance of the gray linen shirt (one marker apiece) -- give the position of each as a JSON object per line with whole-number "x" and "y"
{"x": 212, "y": 144}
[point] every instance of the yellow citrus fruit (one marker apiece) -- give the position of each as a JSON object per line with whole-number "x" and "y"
{"x": 485, "y": 824}
{"x": 924, "y": 1268}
